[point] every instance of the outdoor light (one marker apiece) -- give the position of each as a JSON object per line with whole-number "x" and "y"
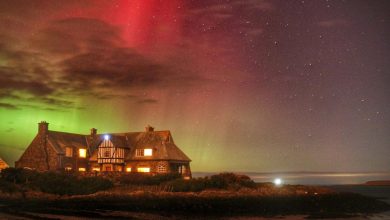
{"x": 278, "y": 181}
{"x": 106, "y": 137}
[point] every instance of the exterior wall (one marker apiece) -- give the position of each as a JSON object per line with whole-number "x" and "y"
{"x": 82, "y": 163}
{"x": 39, "y": 156}
{"x": 182, "y": 168}
{"x": 153, "y": 165}
{"x": 69, "y": 161}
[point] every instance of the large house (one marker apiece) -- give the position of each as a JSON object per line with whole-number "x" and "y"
{"x": 145, "y": 152}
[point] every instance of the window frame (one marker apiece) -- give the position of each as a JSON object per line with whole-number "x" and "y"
{"x": 141, "y": 152}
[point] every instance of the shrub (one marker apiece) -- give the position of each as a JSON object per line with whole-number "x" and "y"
{"x": 18, "y": 175}
{"x": 66, "y": 184}
{"x": 146, "y": 179}
{"x": 219, "y": 181}
{"x": 51, "y": 182}
{"x": 8, "y": 187}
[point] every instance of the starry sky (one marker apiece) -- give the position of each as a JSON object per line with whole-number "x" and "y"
{"x": 243, "y": 85}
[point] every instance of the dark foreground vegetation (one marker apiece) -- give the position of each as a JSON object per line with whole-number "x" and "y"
{"x": 225, "y": 194}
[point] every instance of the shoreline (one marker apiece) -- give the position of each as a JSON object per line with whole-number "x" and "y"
{"x": 208, "y": 204}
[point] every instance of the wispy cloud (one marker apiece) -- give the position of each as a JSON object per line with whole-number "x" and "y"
{"x": 8, "y": 106}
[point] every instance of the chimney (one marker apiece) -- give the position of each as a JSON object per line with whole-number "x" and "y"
{"x": 149, "y": 128}
{"x": 43, "y": 127}
{"x": 93, "y": 131}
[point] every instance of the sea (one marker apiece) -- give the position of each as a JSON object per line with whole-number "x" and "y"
{"x": 312, "y": 178}
{"x": 339, "y": 181}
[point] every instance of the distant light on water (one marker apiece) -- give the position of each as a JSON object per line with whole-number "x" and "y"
{"x": 278, "y": 181}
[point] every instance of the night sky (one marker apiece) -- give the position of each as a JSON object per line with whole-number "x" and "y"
{"x": 243, "y": 85}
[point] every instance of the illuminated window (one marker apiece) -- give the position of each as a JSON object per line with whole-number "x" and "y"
{"x": 97, "y": 169}
{"x": 68, "y": 168}
{"x": 107, "y": 153}
{"x": 128, "y": 169}
{"x": 161, "y": 168}
{"x": 68, "y": 152}
{"x": 143, "y": 152}
{"x": 143, "y": 169}
{"x": 82, "y": 169}
{"x": 148, "y": 152}
{"x": 82, "y": 153}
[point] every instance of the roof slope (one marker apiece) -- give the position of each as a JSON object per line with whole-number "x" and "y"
{"x": 60, "y": 140}
{"x": 3, "y": 164}
{"x": 160, "y": 141}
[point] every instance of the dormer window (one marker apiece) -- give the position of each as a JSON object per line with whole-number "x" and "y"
{"x": 144, "y": 152}
{"x": 82, "y": 153}
{"x": 68, "y": 152}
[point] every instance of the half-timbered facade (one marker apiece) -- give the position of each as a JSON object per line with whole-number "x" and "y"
{"x": 145, "y": 152}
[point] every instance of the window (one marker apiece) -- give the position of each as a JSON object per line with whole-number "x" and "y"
{"x": 161, "y": 168}
{"x": 82, "y": 169}
{"x": 143, "y": 152}
{"x": 128, "y": 169}
{"x": 68, "y": 168}
{"x": 82, "y": 153}
{"x": 97, "y": 169}
{"x": 143, "y": 169}
{"x": 182, "y": 169}
{"x": 107, "y": 153}
{"x": 148, "y": 152}
{"x": 68, "y": 152}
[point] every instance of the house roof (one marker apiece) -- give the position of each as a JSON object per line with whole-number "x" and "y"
{"x": 3, "y": 164}
{"x": 162, "y": 144}
{"x": 160, "y": 141}
{"x": 60, "y": 140}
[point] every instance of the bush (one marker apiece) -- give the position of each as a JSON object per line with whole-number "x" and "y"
{"x": 66, "y": 184}
{"x": 8, "y": 187}
{"x": 219, "y": 181}
{"x": 18, "y": 175}
{"x": 51, "y": 182}
{"x": 146, "y": 179}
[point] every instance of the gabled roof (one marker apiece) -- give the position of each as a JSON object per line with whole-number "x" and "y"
{"x": 162, "y": 144}
{"x": 3, "y": 164}
{"x": 60, "y": 140}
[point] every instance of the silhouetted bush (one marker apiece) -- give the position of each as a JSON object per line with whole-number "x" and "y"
{"x": 67, "y": 184}
{"x": 146, "y": 179}
{"x": 18, "y": 175}
{"x": 8, "y": 187}
{"x": 52, "y": 182}
{"x": 219, "y": 181}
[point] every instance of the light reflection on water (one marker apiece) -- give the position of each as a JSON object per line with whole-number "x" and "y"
{"x": 312, "y": 178}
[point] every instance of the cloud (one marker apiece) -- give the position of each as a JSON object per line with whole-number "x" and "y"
{"x": 74, "y": 35}
{"x": 77, "y": 57}
{"x": 8, "y": 106}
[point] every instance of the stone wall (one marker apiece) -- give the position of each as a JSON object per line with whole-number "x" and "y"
{"x": 39, "y": 156}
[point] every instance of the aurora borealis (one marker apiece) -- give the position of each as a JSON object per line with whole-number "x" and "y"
{"x": 244, "y": 85}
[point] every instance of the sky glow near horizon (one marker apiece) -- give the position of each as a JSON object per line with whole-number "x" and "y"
{"x": 243, "y": 85}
